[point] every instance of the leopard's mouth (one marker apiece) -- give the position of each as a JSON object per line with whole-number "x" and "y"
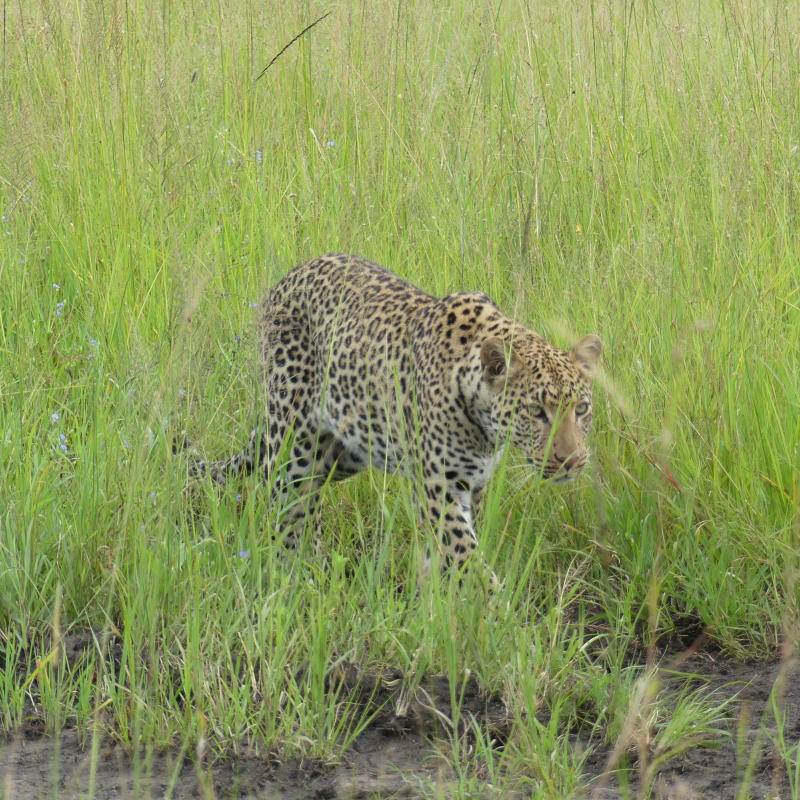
{"x": 553, "y": 474}
{"x": 556, "y": 474}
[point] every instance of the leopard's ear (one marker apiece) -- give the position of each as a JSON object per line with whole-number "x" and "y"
{"x": 586, "y": 354}
{"x": 497, "y": 364}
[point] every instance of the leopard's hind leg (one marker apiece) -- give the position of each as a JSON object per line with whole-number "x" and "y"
{"x": 293, "y": 413}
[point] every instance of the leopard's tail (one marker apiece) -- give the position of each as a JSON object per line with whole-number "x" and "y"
{"x": 245, "y": 462}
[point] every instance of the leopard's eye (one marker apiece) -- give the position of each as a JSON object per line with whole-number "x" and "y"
{"x": 581, "y": 409}
{"x": 537, "y": 412}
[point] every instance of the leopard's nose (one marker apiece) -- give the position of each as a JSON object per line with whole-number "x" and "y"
{"x": 571, "y": 463}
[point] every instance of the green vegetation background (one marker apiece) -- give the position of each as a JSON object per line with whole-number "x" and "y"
{"x": 629, "y": 169}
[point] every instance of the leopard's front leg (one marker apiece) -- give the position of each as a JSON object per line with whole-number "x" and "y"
{"x": 451, "y": 512}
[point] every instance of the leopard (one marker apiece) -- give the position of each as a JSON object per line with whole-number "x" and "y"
{"x": 360, "y": 368}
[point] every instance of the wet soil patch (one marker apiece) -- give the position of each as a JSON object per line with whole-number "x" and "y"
{"x": 748, "y": 756}
{"x": 400, "y": 752}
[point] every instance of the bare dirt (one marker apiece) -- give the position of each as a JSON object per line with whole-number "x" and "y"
{"x": 398, "y": 755}
{"x": 747, "y": 758}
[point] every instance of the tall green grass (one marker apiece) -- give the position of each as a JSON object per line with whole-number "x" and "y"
{"x": 622, "y": 168}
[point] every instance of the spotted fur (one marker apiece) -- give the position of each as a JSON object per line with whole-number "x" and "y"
{"x": 361, "y": 368}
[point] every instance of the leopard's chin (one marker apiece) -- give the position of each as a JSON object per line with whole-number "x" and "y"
{"x": 553, "y": 475}
{"x": 558, "y": 475}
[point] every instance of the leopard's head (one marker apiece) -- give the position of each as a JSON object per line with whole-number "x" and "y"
{"x": 541, "y": 399}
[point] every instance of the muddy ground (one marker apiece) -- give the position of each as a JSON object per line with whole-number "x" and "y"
{"x": 398, "y": 755}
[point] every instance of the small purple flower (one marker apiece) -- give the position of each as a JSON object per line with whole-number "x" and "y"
{"x": 54, "y": 416}
{"x": 239, "y": 497}
{"x": 182, "y": 392}
{"x": 259, "y": 156}
{"x": 244, "y": 553}
{"x": 125, "y": 443}
{"x": 59, "y": 308}
{"x": 56, "y": 286}
{"x": 92, "y": 342}
{"x": 331, "y": 143}
{"x": 252, "y": 305}
{"x": 63, "y": 438}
